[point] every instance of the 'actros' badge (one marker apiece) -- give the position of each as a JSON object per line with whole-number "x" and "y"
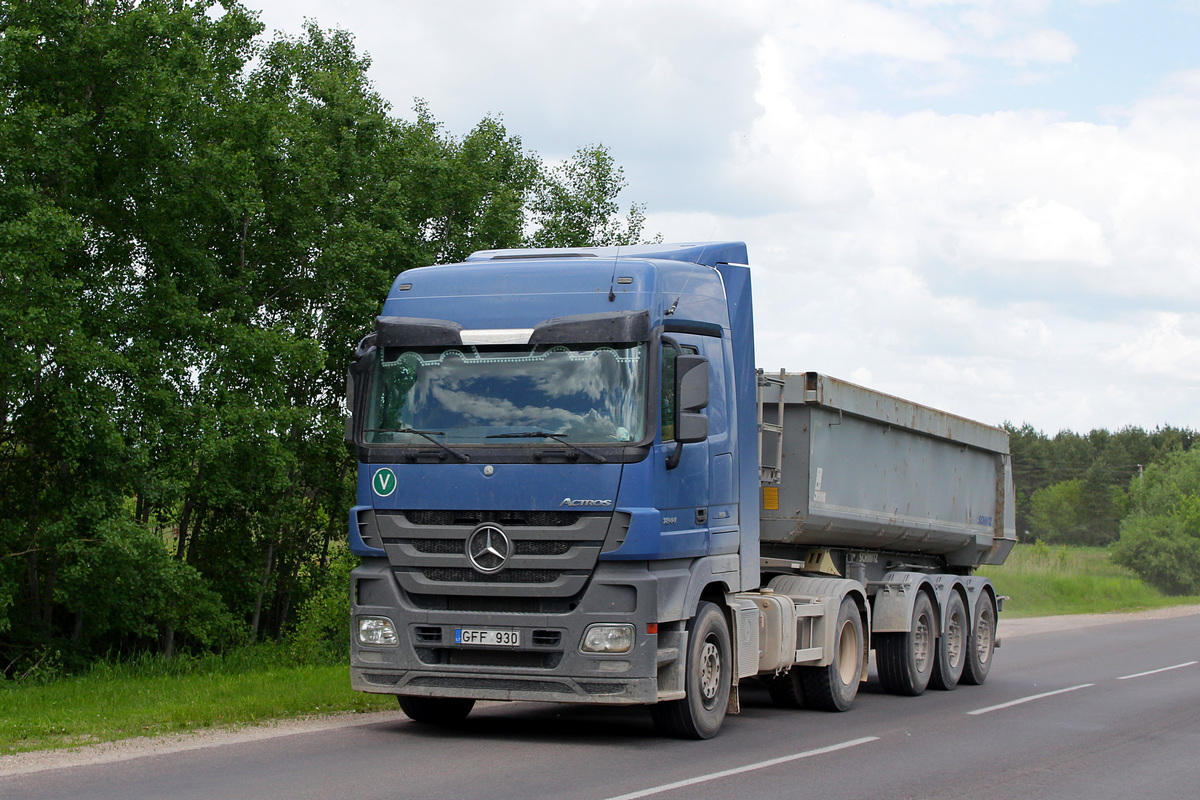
{"x": 488, "y": 548}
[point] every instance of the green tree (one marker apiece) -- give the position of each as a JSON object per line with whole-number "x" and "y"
{"x": 1057, "y": 513}
{"x": 1160, "y": 539}
{"x": 574, "y": 204}
{"x": 1103, "y": 462}
{"x": 196, "y": 226}
{"x": 105, "y": 104}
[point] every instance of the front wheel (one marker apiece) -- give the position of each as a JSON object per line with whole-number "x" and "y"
{"x": 709, "y": 675}
{"x": 435, "y": 710}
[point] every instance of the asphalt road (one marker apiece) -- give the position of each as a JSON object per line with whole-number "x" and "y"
{"x": 1110, "y": 711}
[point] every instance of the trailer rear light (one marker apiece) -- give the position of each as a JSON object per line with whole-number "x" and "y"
{"x": 377, "y": 631}
{"x": 607, "y": 639}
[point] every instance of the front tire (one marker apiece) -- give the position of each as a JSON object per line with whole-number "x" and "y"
{"x": 435, "y": 710}
{"x": 905, "y": 660}
{"x": 708, "y": 678}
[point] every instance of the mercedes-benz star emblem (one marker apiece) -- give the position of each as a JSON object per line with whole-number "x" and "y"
{"x": 488, "y": 548}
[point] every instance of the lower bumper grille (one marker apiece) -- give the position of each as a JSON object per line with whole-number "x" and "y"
{"x": 460, "y": 575}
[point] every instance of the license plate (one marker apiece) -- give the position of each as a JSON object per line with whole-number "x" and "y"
{"x": 488, "y": 637}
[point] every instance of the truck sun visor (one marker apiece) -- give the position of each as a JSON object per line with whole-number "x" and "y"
{"x": 624, "y": 326}
{"x": 415, "y": 331}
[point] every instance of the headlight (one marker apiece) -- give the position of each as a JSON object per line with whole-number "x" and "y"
{"x": 608, "y": 639}
{"x": 377, "y": 631}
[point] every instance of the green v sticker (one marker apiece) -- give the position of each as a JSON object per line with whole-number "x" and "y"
{"x": 384, "y": 482}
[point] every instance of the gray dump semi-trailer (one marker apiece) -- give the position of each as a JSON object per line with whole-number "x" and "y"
{"x": 574, "y": 486}
{"x": 892, "y": 499}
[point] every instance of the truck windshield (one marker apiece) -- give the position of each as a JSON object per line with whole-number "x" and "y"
{"x": 587, "y": 394}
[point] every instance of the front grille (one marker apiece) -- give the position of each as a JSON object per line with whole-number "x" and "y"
{"x": 532, "y": 547}
{"x": 435, "y": 546}
{"x": 553, "y": 551}
{"x": 460, "y": 575}
{"x": 540, "y": 519}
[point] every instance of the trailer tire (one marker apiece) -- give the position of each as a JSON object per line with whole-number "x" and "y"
{"x": 435, "y": 710}
{"x": 952, "y": 645}
{"x": 981, "y": 644}
{"x": 834, "y": 687}
{"x": 786, "y": 689}
{"x": 905, "y": 660}
{"x": 707, "y": 681}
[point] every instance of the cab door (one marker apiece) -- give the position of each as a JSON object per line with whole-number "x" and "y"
{"x": 683, "y": 484}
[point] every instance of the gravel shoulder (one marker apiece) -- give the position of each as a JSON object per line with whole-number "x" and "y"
{"x": 22, "y": 763}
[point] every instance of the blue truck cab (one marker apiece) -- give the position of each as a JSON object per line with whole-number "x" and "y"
{"x": 558, "y": 472}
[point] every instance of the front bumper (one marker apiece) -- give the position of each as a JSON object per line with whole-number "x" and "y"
{"x": 548, "y": 665}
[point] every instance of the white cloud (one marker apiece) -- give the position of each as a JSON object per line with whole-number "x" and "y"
{"x": 1042, "y": 46}
{"x": 1167, "y": 345}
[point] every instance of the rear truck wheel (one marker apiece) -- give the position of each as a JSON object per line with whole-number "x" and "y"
{"x": 834, "y": 687}
{"x": 981, "y": 643}
{"x": 905, "y": 660}
{"x": 952, "y": 646}
{"x": 709, "y": 672}
{"x": 435, "y": 710}
{"x": 786, "y": 689}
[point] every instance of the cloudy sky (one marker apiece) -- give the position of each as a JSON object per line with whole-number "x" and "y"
{"x": 990, "y": 207}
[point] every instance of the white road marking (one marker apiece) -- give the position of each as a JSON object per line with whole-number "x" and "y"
{"x": 666, "y": 787}
{"x": 1156, "y": 671}
{"x": 1030, "y": 699}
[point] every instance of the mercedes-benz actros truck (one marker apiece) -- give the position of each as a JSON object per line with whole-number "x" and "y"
{"x": 575, "y": 486}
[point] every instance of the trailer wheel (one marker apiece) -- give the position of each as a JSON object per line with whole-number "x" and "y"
{"x": 905, "y": 660}
{"x": 981, "y": 643}
{"x": 952, "y": 646}
{"x": 709, "y": 673}
{"x": 435, "y": 710}
{"x": 834, "y": 687}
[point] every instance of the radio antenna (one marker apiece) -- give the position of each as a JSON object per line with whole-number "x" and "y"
{"x": 696, "y": 263}
{"x": 612, "y": 296}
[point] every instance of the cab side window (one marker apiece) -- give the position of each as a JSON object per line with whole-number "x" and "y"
{"x": 669, "y": 355}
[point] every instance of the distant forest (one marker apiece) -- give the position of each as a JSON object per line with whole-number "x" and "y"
{"x": 1074, "y": 488}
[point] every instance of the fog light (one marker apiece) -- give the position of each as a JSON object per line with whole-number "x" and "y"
{"x": 608, "y": 639}
{"x": 377, "y": 631}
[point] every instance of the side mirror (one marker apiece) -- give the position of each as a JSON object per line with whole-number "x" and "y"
{"x": 691, "y": 393}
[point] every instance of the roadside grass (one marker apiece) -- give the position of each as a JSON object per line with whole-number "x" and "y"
{"x": 153, "y": 696}
{"x": 1041, "y": 580}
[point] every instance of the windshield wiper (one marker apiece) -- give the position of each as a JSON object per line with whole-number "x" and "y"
{"x": 428, "y": 435}
{"x": 558, "y": 437}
